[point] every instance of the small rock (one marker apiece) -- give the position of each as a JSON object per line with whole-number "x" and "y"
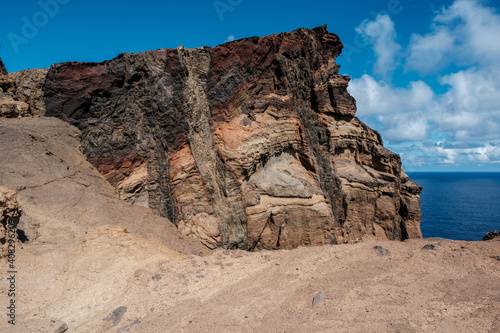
{"x": 320, "y": 296}
{"x": 491, "y": 235}
{"x": 63, "y": 328}
{"x": 429, "y": 247}
{"x": 382, "y": 251}
{"x": 116, "y": 315}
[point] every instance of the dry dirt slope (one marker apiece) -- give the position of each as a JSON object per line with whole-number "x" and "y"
{"x": 62, "y": 194}
{"x": 80, "y": 273}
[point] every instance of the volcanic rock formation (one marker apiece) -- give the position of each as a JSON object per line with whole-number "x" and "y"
{"x": 252, "y": 144}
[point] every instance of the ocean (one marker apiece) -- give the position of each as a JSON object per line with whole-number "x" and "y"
{"x": 460, "y": 206}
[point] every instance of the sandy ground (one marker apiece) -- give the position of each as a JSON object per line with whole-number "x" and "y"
{"x": 114, "y": 281}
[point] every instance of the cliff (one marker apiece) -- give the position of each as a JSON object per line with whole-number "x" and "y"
{"x": 126, "y": 278}
{"x": 251, "y": 144}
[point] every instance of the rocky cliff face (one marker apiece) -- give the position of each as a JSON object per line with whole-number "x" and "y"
{"x": 252, "y": 144}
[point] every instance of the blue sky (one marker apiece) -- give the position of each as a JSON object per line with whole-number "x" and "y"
{"x": 426, "y": 75}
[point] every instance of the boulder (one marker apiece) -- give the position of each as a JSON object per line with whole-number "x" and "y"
{"x": 491, "y": 235}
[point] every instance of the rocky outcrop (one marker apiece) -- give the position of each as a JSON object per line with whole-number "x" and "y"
{"x": 28, "y": 89}
{"x": 251, "y": 144}
{"x": 10, "y": 213}
{"x": 491, "y": 235}
{"x": 21, "y": 93}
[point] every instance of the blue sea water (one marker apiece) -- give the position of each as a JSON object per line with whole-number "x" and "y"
{"x": 460, "y": 206}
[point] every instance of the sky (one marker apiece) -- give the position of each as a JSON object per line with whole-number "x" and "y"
{"x": 425, "y": 74}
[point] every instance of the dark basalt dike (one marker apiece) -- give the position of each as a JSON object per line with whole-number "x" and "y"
{"x": 252, "y": 144}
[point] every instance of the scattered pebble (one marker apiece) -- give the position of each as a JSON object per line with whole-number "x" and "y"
{"x": 63, "y": 328}
{"x": 320, "y": 296}
{"x": 381, "y": 251}
{"x": 116, "y": 315}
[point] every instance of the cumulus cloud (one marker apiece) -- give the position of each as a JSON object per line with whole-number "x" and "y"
{"x": 486, "y": 153}
{"x": 461, "y": 123}
{"x": 464, "y": 33}
{"x": 381, "y": 34}
{"x": 471, "y": 106}
{"x": 378, "y": 97}
{"x": 432, "y": 52}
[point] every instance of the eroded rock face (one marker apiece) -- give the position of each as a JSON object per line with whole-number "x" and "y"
{"x": 10, "y": 213}
{"x": 251, "y": 144}
{"x": 21, "y": 93}
{"x": 28, "y": 89}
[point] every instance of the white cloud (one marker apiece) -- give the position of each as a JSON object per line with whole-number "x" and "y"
{"x": 430, "y": 53}
{"x": 378, "y": 97}
{"x": 468, "y": 110}
{"x": 484, "y": 154}
{"x": 401, "y": 112}
{"x": 471, "y": 106}
{"x": 442, "y": 154}
{"x": 405, "y": 127}
{"x": 464, "y": 33}
{"x": 381, "y": 34}
{"x": 459, "y": 125}
{"x": 229, "y": 38}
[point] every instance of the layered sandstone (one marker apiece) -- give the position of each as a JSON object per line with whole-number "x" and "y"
{"x": 251, "y": 144}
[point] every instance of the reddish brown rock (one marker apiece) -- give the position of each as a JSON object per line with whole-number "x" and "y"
{"x": 251, "y": 144}
{"x": 127, "y": 174}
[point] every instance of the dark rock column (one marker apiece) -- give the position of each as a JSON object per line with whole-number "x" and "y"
{"x": 224, "y": 188}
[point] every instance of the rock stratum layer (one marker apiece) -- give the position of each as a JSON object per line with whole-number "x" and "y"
{"x": 252, "y": 144}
